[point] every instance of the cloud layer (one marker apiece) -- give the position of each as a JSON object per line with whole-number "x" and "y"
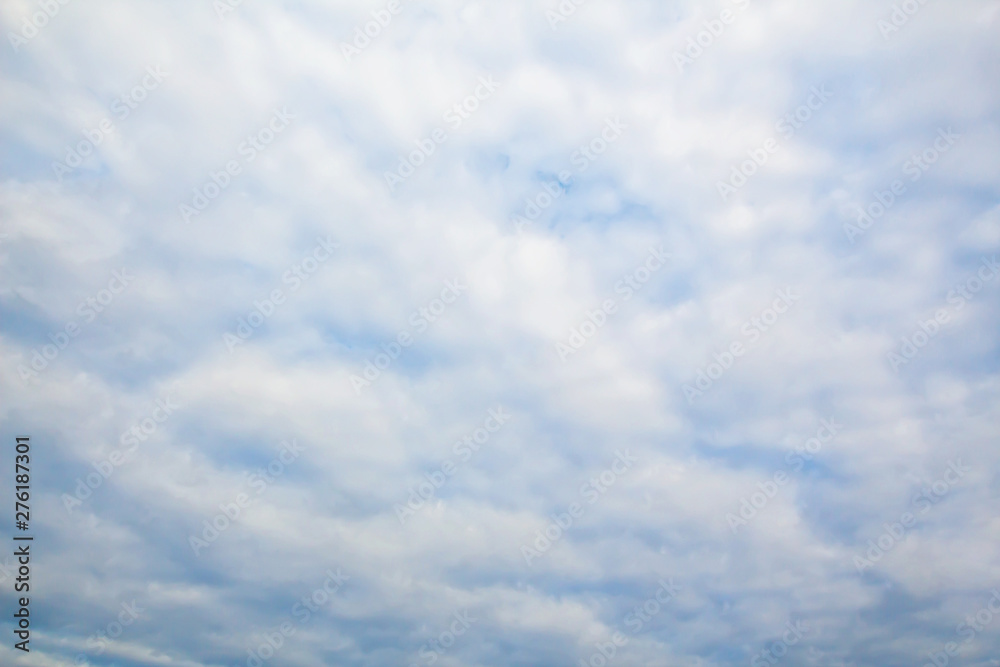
{"x": 468, "y": 333}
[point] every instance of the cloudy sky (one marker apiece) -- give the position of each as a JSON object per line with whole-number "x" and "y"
{"x": 467, "y": 333}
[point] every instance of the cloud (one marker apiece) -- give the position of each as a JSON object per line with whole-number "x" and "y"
{"x": 537, "y": 148}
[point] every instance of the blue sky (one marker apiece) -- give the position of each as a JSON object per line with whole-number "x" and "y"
{"x": 464, "y": 341}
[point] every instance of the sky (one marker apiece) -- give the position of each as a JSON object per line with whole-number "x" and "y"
{"x": 480, "y": 334}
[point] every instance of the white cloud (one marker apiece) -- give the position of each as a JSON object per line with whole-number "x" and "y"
{"x": 655, "y": 186}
